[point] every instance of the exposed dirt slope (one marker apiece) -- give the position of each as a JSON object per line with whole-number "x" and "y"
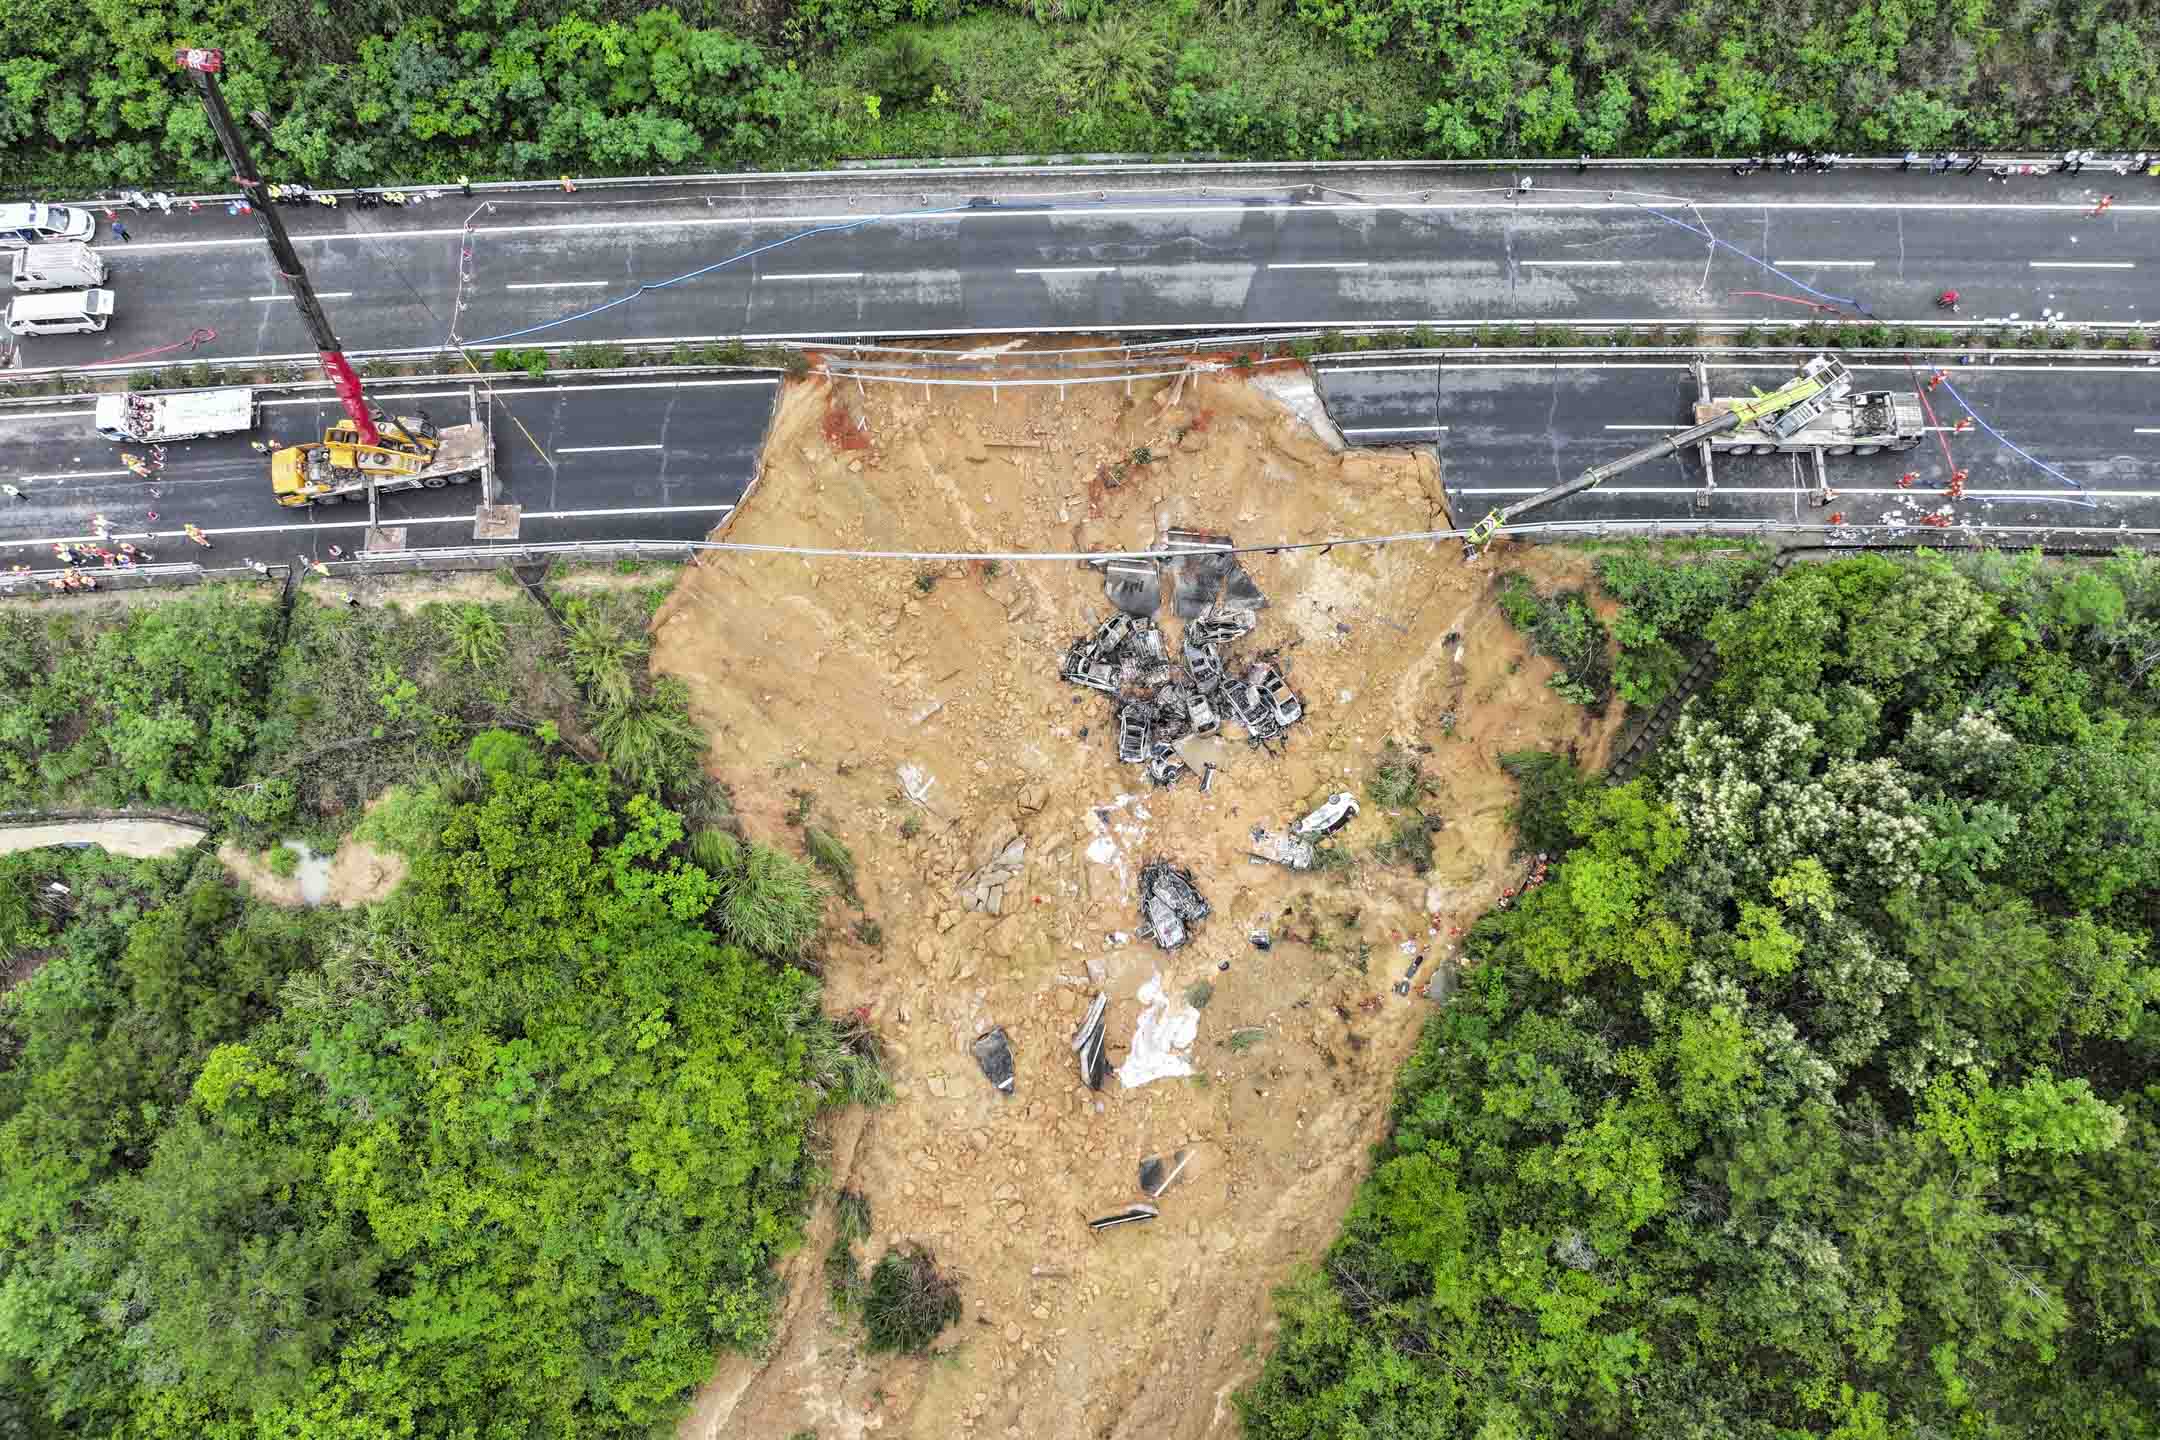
{"x": 828, "y": 676}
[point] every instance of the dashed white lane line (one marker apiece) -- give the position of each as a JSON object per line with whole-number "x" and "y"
{"x": 600, "y": 449}
{"x": 1228, "y": 210}
{"x": 1666, "y": 428}
{"x": 1064, "y": 269}
{"x": 1574, "y": 264}
{"x": 2148, "y": 430}
{"x": 501, "y": 390}
{"x": 76, "y": 475}
{"x": 1825, "y": 264}
{"x": 321, "y": 525}
{"x": 556, "y": 284}
{"x": 1318, "y": 264}
{"x": 320, "y": 295}
{"x": 818, "y": 275}
{"x": 1393, "y": 429}
{"x": 2082, "y": 264}
{"x": 2000, "y": 496}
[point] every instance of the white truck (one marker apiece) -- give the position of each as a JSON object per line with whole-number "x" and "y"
{"x": 189, "y": 415}
{"x": 73, "y": 266}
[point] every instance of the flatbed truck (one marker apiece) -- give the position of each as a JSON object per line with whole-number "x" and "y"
{"x": 191, "y": 415}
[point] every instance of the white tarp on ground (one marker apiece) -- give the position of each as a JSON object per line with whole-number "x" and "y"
{"x": 1167, "y": 1026}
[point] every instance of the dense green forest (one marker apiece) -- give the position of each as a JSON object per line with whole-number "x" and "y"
{"x": 1818, "y": 1091}
{"x": 385, "y": 91}
{"x": 506, "y": 1155}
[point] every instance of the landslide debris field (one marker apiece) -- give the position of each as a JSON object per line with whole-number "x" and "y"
{"x": 918, "y": 714}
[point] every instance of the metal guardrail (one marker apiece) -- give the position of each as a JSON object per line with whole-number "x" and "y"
{"x": 1203, "y": 163}
{"x": 2054, "y": 538}
{"x": 1271, "y": 346}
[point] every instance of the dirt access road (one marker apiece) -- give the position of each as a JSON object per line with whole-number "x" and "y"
{"x": 818, "y": 680}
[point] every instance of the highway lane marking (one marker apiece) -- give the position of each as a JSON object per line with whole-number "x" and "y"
{"x": 464, "y": 519}
{"x": 1847, "y": 491}
{"x": 819, "y": 275}
{"x": 2148, "y": 430}
{"x": 601, "y": 449}
{"x": 1578, "y": 263}
{"x": 1318, "y": 264}
{"x": 1827, "y": 264}
{"x": 1064, "y": 270}
{"x": 1391, "y": 429}
{"x": 77, "y": 475}
{"x": 1667, "y": 428}
{"x": 50, "y": 414}
{"x": 2082, "y": 264}
{"x": 320, "y": 295}
{"x": 947, "y": 332}
{"x": 1227, "y": 209}
{"x": 556, "y": 284}
{"x": 544, "y": 389}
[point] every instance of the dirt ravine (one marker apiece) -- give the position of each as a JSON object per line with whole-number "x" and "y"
{"x": 827, "y": 677}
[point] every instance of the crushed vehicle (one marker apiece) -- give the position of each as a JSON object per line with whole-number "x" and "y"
{"x": 1221, "y": 624}
{"x": 1285, "y": 850}
{"x": 1135, "y": 732}
{"x": 1165, "y": 766}
{"x": 1284, "y": 705}
{"x": 1203, "y": 663}
{"x": 1170, "y": 904}
{"x": 1333, "y": 813}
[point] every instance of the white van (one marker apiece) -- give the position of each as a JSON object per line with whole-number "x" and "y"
{"x": 74, "y": 266}
{"x": 39, "y": 224}
{"x": 72, "y": 312}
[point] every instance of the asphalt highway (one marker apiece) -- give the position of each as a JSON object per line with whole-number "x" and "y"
{"x": 637, "y": 460}
{"x": 1509, "y": 430}
{"x": 1153, "y": 254}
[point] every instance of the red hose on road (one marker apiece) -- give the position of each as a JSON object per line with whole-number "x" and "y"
{"x": 196, "y": 338}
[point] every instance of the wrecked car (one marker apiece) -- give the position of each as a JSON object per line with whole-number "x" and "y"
{"x": 1334, "y": 813}
{"x": 1170, "y": 905}
{"x": 1282, "y": 703}
{"x": 1135, "y": 737}
{"x": 1165, "y": 766}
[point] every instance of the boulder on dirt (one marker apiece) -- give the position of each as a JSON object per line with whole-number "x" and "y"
{"x": 984, "y": 888}
{"x": 994, "y": 1053}
{"x": 1087, "y": 1043}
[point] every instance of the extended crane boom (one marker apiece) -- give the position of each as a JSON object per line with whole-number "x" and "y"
{"x": 1783, "y": 410}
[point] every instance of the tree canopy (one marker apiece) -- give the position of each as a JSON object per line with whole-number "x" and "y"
{"x": 507, "y": 1155}
{"x": 399, "y": 91}
{"x": 1814, "y": 1093}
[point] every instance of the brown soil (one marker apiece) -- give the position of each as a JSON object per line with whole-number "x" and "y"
{"x": 827, "y": 676}
{"x": 360, "y": 874}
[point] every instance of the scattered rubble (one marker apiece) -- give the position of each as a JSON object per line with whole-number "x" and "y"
{"x": 984, "y": 889}
{"x": 994, "y": 1053}
{"x": 1170, "y": 904}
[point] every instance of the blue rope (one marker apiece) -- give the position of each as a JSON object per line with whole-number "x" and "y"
{"x": 705, "y": 270}
{"x": 2012, "y": 447}
{"x": 1753, "y": 260}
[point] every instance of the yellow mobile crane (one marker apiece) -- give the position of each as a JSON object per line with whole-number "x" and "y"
{"x": 409, "y": 453}
{"x": 1783, "y": 412}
